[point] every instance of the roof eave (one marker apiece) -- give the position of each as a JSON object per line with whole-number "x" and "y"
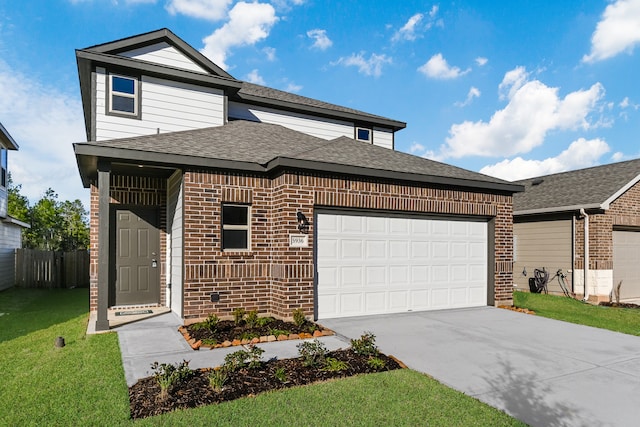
{"x": 7, "y": 140}
{"x": 558, "y": 209}
{"x": 607, "y": 203}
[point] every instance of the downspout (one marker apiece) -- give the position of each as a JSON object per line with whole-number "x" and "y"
{"x": 586, "y": 254}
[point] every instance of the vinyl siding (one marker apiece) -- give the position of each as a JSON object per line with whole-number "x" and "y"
{"x": 10, "y": 235}
{"x": 164, "y": 54}
{"x": 541, "y": 244}
{"x": 166, "y": 106}
{"x": 175, "y": 246}
{"x": 316, "y": 126}
{"x": 383, "y": 138}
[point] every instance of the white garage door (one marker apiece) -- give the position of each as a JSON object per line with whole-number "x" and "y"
{"x": 626, "y": 263}
{"x": 375, "y": 264}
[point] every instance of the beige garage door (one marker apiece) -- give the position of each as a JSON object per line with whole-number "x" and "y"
{"x": 626, "y": 263}
{"x": 542, "y": 244}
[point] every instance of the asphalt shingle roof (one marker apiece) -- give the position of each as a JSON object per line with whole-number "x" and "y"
{"x": 261, "y": 143}
{"x": 583, "y": 187}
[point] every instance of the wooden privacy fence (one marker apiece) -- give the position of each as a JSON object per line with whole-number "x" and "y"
{"x": 49, "y": 269}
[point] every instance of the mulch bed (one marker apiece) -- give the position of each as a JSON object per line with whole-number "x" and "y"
{"x": 619, "y": 304}
{"x": 196, "y": 391}
{"x": 230, "y": 332}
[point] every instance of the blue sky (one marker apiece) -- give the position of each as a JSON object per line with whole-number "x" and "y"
{"x": 516, "y": 90}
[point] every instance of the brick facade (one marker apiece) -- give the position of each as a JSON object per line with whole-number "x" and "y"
{"x": 272, "y": 277}
{"x": 623, "y": 212}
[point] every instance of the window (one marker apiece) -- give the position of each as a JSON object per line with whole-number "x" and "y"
{"x": 363, "y": 134}
{"x": 123, "y": 95}
{"x": 3, "y": 161}
{"x": 235, "y": 227}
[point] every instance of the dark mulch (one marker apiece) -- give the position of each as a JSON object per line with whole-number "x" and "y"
{"x": 197, "y": 392}
{"x": 228, "y": 330}
{"x": 619, "y": 304}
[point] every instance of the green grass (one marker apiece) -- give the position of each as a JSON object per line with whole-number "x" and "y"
{"x": 625, "y": 320}
{"x": 83, "y": 383}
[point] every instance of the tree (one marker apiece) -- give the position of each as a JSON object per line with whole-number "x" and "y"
{"x": 55, "y": 225}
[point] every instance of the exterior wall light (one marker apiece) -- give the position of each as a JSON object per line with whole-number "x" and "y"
{"x": 303, "y": 223}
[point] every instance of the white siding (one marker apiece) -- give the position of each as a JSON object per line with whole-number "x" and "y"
{"x": 315, "y": 126}
{"x": 383, "y": 137}
{"x": 174, "y": 248}
{"x": 165, "y": 105}
{"x": 164, "y": 54}
{"x": 10, "y": 235}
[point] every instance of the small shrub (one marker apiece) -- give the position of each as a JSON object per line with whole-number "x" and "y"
{"x": 298, "y": 317}
{"x": 365, "y": 345}
{"x": 333, "y": 365}
{"x": 210, "y": 323}
{"x": 249, "y": 335}
{"x": 277, "y": 332}
{"x": 210, "y": 341}
{"x": 280, "y": 374}
{"x": 168, "y": 375}
{"x": 376, "y": 363}
{"x": 312, "y": 352}
{"x": 238, "y": 315}
{"x": 243, "y": 359}
{"x": 252, "y": 318}
{"x": 264, "y": 321}
{"x": 217, "y": 379}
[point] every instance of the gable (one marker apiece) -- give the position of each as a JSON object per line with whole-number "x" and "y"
{"x": 164, "y": 54}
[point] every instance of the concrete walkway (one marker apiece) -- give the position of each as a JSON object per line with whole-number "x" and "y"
{"x": 541, "y": 371}
{"x": 157, "y": 339}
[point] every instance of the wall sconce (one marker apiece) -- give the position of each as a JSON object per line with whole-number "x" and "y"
{"x": 303, "y": 223}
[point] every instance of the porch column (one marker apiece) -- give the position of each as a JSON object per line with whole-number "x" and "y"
{"x": 104, "y": 172}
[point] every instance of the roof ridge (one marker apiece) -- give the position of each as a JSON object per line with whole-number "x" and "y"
{"x": 612, "y": 164}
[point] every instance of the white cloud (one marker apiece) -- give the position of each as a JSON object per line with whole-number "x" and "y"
{"x": 416, "y": 25}
{"x": 212, "y": 10}
{"x": 321, "y": 40}
{"x": 270, "y": 52}
{"x": 581, "y": 153}
{"x": 255, "y": 77}
{"x": 408, "y": 30}
{"x": 533, "y": 110}
{"x": 618, "y": 31}
{"x": 248, "y": 24}
{"x": 512, "y": 82}
{"x": 481, "y": 61}
{"x": 416, "y": 148}
{"x": 474, "y": 92}
{"x": 44, "y": 122}
{"x": 626, "y": 103}
{"x": 292, "y": 87}
{"x": 438, "y": 68}
{"x": 368, "y": 67}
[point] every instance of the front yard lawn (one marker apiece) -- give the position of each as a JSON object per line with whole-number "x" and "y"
{"x": 625, "y": 320}
{"x": 83, "y": 383}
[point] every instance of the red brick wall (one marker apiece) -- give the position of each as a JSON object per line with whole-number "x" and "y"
{"x": 276, "y": 279}
{"x": 624, "y": 211}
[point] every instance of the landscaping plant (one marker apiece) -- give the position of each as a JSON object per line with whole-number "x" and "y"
{"x": 238, "y": 315}
{"x": 168, "y": 375}
{"x": 298, "y": 317}
{"x": 365, "y": 345}
{"x": 313, "y": 353}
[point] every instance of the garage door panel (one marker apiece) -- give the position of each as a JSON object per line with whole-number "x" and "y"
{"x": 626, "y": 263}
{"x": 393, "y": 264}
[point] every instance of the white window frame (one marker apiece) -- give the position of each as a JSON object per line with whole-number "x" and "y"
{"x": 230, "y": 227}
{"x": 135, "y": 96}
{"x": 364, "y": 140}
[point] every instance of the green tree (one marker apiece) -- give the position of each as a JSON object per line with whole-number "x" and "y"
{"x": 18, "y": 205}
{"x": 55, "y": 225}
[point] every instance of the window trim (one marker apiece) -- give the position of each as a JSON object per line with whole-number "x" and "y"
{"x": 230, "y": 227}
{"x": 359, "y": 128}
{"x": 136, "y": 97}
{"x": 4, "y": 167}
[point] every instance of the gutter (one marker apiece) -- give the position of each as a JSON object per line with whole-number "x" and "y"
{"x": 586, "y": 254}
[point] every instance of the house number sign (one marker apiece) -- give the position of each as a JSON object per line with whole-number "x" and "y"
{"x": 298, "y": 240}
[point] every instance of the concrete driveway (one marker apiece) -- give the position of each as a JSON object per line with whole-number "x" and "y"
{"x": 541, "y": 371}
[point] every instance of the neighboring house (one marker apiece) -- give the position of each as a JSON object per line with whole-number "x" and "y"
{"x": 10, "y": 228}
{"x": 556, "y": 212}
{"x": 209, "y": 193}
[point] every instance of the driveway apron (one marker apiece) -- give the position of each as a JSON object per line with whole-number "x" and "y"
{"x": 541, "y": 371}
